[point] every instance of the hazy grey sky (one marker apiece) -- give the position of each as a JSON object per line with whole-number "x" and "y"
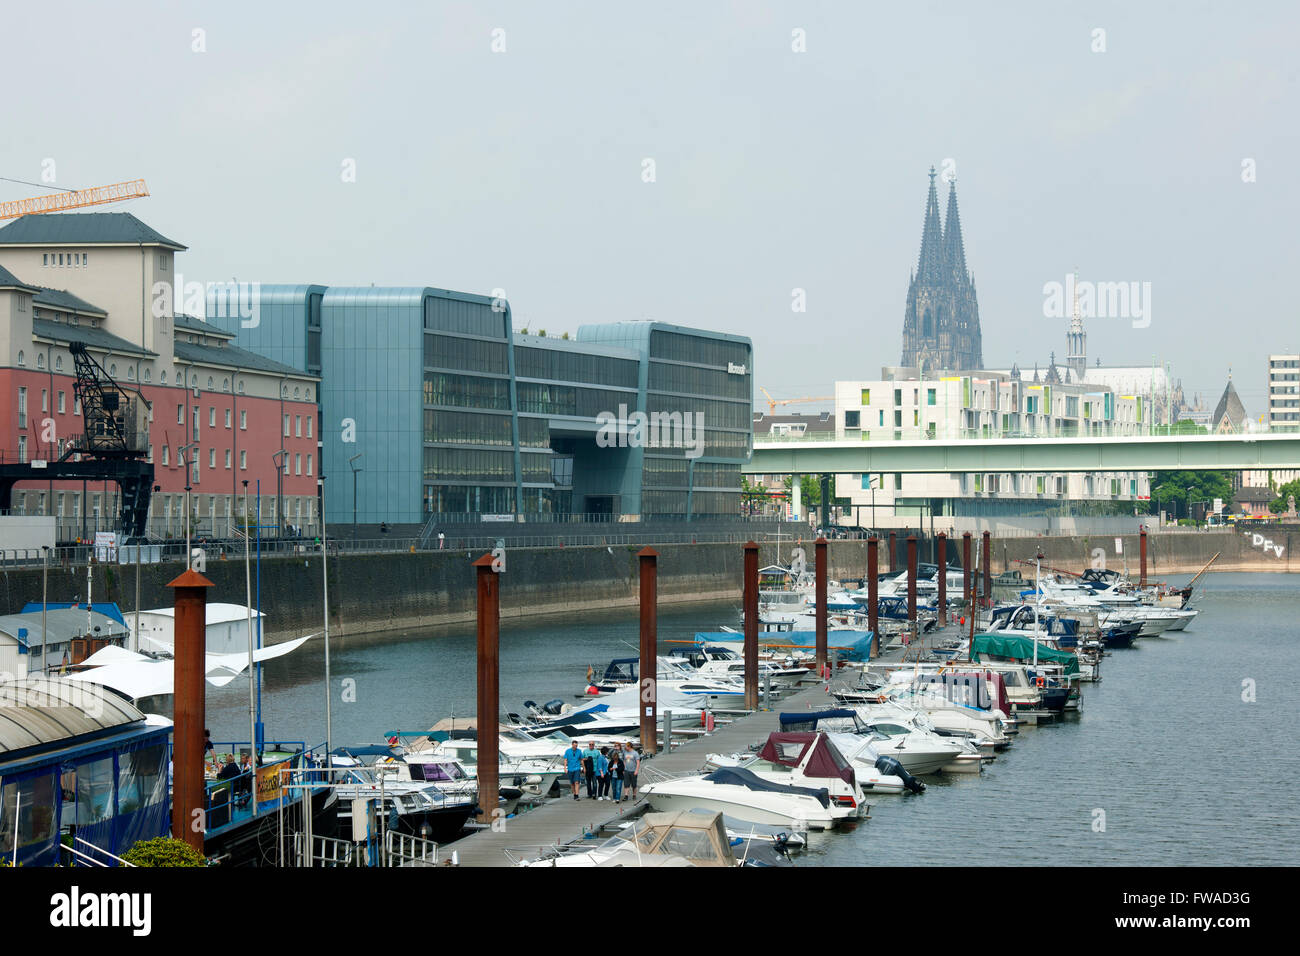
{"x": 774, "y": 169}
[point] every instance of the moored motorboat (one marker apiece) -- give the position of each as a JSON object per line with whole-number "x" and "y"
{"x": 743, "y": 794}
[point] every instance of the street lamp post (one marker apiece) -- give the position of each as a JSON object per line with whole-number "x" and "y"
{"x": 185, "y": 463}
{"x": 45, "y": 600}
{"x": 278, "y": 458}
{"x": 355, "y": 469}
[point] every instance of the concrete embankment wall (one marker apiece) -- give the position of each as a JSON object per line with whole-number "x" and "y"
{"x": 404, "y": 591}
{"x": 1168, "y": 553}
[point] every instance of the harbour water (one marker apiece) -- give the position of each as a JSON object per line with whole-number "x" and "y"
{"x": 1166, "y": 753}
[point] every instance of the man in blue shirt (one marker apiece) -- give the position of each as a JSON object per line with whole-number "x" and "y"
{"x": 602, "y": 776}
{"x": 573, "y": 766}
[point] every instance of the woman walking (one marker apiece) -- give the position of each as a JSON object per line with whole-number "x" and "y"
{"x": 616, "y": 768}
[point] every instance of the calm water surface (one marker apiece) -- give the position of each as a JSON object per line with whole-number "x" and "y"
{"x": 1184, "y": 770}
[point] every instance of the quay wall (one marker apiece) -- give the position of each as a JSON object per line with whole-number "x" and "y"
{"x": 408, "y": 591}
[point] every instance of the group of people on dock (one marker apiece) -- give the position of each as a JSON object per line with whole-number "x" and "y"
{"x": 607, "y": 771}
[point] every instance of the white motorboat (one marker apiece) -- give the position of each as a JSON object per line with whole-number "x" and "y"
{"x": 681, "y": 838}
{"x": 719, "y": 662}
{"x": 805, "y": 760}
{"x": 675, "y": 677}
{"x": 533, "y": 767}
{"x": 435, "y": 809}
{"x": 742, "y": 794}
{"x": 920, "y": 752}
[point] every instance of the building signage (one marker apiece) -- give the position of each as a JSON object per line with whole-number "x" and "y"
{"x": 106, "y": 546}
{"x": 268, "y": 782}
{"x": 733, "y": 369}
{"x": 497, "y": 518}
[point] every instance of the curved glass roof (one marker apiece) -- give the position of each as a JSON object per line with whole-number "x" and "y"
{"x": 37, "y": 711}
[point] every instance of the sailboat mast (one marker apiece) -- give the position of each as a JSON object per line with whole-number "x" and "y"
{"x": 325, "y": 590}
{"x": 252, "y": 697}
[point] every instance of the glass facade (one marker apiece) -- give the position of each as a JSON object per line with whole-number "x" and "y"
{"x": 705, "y": 382}
{"x": 469, "y": 391}
{"x": 455, "y": 413}
{"x": 471, "y": 355}
{"x": 575, "y": 367}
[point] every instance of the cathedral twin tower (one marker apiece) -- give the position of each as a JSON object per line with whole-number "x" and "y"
{"x": 941, "y": 327}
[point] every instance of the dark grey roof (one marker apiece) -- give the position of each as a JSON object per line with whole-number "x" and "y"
{"x": 230, "y": 356}
{"x": 59, "y": 299}
{"x": 7, "y": 278}
{"x": 94, "y": 338}
{"x": 83, "y": 228}
{"x": 1230, "y": 405}
{"x": 192, "y": 324}
{"x": 816, "y": 422}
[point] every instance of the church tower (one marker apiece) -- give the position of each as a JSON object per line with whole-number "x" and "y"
{"x": 941, "y": 324}
{"x": 1076, "y": 339}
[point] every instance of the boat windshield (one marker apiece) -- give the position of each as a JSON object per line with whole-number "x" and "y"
{"x": 438, "y": 772}
{"x": 692, "y": 844}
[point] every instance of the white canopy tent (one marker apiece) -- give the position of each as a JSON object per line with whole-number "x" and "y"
{"x": 139, "y": 676}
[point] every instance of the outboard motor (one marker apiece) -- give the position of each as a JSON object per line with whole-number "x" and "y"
{"x": 891, "y": 767}
{"x": 553, "y": 707}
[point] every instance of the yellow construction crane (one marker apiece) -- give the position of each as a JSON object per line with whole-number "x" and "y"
{"x": 73, "y": 199}
{"x": 773, "y": 402}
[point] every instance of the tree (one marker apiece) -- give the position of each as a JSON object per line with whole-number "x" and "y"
{"x": 1185, "y": 488}
{"x": 1278, "y": 505}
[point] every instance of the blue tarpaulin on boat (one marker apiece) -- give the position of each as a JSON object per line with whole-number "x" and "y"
{"x": 844, "y": 645}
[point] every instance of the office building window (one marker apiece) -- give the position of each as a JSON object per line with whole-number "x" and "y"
{"x": 243, "y": 420}
{"x": 243, "y": 461}
{"x": 297, "y": 464}
{"x": 227, "y": 418}
{"x": 212, "y": 417}
{"x": 227, "y": 459}
{"x": 297, "y": 426}
{"x": 309, "y": 461}
{"x": 286, "y": 426}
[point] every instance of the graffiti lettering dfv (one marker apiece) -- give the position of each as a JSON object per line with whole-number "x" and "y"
{"x": 1259, "y": 541}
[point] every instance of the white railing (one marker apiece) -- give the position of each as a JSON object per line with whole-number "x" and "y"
{"x": 324, "y": 851}
{"x": 91, "y": 859}
{"x": 406, "y": 850}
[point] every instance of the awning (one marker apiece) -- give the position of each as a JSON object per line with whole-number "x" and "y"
{"x": 1020, "y": 649}
{"x": 138, "y": 676}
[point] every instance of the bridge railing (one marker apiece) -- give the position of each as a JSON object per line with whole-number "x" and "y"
{"x": 915, "y": 433}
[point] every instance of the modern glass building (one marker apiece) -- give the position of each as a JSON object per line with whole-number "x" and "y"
{"x": 452, "y": 414}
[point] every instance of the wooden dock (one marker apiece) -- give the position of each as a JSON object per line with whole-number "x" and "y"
{"x": 565, "y": 820}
